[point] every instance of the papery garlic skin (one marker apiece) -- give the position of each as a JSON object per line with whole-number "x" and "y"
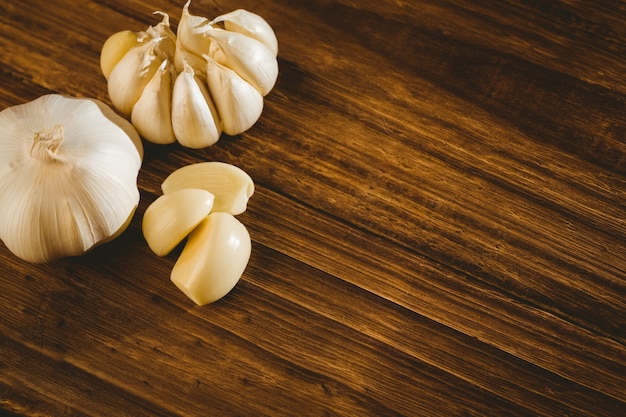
{"x": 123, "y": 124}
{"x": 68, "y": 177}
{"x": 191, "y": 32}
{"x": 171, "y": 217}
{"x": 231, "y": 185}
{"x": 120, "y": 43}
{"x": 162, "y": 31}
{"x": 213, "y": 259}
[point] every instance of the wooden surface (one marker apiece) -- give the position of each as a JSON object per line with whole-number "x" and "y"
{"x": 438, "y": 225}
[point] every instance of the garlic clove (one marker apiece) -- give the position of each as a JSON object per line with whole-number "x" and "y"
{"x": 231, "y": 186}
{"x": 183, "y": 56}
{"x": 171, "y": 217}
{"x": 191, "y": 32}
{"x": 249, "y": 24}
{"x": 213, "y": 260}
{"x": 151, "y": 114}
{"x": 195, "y": 120}
{"x": 249, "y": 58}
{"x": 163, "y": 30}
{"x": 68, "y": 178}
{"x": 120, "y": 43}
{"x": 114, "y": 48}
{"x": 130, "y": 76}
{"x": 239, "y": 105}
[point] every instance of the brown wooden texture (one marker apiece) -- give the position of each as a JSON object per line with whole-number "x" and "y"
{"x": 438, "y": 225}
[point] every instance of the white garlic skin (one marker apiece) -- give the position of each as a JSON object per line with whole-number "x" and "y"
{"x": 164, "y": 32}
{"x": 213, "y": 259}
{"x": 191, "y": 29}
{"x": 68, "y": 177}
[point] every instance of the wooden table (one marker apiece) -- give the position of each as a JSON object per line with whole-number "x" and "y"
{"x": 439, "y": 222}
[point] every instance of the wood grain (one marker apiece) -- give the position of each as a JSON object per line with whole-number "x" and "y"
{"x": 439, "y": 223}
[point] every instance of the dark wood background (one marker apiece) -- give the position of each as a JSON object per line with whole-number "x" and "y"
{"x": 438, "y": 225}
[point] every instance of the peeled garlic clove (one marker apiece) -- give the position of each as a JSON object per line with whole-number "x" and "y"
{"x": 151, "y": 114}
{"x": 114, "y": 48}
{"x": 130, "y": 76}
{"x": 194, "y": 118}
{"x": 171, "y": 217}
{"x": 249, "y": 24}
{"x": 68, "y": 177}
{"x": 213, "y": 259}
{"x": 231, "y": 186}
{"x": 249, "y": 58}
{"x": 239, "y": 105}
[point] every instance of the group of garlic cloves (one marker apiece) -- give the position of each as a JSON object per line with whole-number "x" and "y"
{"x": 209, "y": 77}
{"x": 199, "y": 204}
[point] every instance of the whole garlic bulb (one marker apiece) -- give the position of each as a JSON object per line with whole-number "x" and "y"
{"x": 232, "y": 57}
{"x": 68, "y": 176}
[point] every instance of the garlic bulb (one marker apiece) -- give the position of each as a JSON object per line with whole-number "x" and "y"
{"x": 227, "y": 66}
{"x": 68, "y": 176}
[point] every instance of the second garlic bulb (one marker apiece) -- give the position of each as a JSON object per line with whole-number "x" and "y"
{"x": 228, "y": 64}
{"x": 68, "y": 176}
